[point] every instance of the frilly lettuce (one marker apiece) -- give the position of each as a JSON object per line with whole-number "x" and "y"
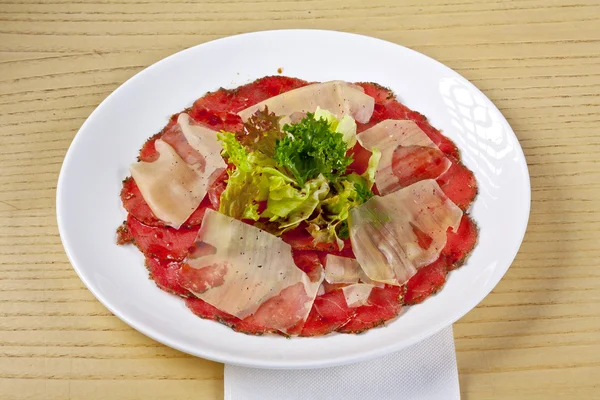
{"x": 369, "y": 174}
{"x": 290, "y": 205}
{"x": 255, "y": 179}
{"x": 330, "y": 224}
{"x": 246, "y": 185}
{"x": 346, "y": 126}
{"x": 311, "y": 148}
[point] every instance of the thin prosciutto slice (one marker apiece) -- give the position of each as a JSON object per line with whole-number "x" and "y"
{"x": 249, "y": 273}
{"x": 174, "y": 185}
{"x": 395, "y": 235}
{"x": 338, "y": 97}
{"x": 408, "y": 155}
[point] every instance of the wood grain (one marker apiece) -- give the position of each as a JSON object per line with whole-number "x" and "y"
{"x": 535, "y": 337}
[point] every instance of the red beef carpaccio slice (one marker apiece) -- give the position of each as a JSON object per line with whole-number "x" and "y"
{"x": 458, "y": 183}
{"x": 165, "y": 247}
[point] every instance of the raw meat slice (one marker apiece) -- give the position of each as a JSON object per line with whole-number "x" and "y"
{"x": 216, "y": 189}
{"x": 328, "y": 313}
{"x": 384, "y": 305}
{"x": 123, "y": 234}
{"x": 459, "y": 184}
{"x": 378, "y": 92}
{"x": 233, "y": 101}
{"x": 427, "y": 281}
{"x": 206, "y": 311}
{"x": 360, "y": 157}
{"x": 216, "y": 120}
{"x": 460, "y": 244}
{"x": 309, "y": 262}
{"x": 416, "y": 163}
{"x": 284, "y": 312}
{"x": 135, "y": 204}
{"x": 148, "y": 151}
{"x": 164, "y": 274}
{"x": 162, "y": 242}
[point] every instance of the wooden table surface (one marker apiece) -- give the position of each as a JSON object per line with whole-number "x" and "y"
{"x": 535, "y": 337}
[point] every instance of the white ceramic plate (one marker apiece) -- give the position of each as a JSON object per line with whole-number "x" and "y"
{"x": 89, "y": 208}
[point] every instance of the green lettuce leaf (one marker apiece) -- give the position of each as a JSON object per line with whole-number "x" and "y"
{"x": 246, "y": 184}
{"x": 256, "y": 179}
{"x": 325, "y": 231}
{"x": 346, "y": 126}
{"x": 290, "y": 205}
{"x": 369, "y": 174}
{"x": 331, "y": 224}
{"x": 311, "y": 148}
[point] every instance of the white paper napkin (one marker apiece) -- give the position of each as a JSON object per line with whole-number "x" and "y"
{"x": 424, "y": 371}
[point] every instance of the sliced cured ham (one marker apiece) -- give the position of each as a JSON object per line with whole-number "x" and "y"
{"x": 338, "y": 97}
{"x": 175, "y": 184}
{"x": 395, "y": 235}
{"x": 408, "y": 155}
{"x": 249, "y": 271}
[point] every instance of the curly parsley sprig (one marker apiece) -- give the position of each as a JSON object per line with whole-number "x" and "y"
{"x": 310, "y": 148}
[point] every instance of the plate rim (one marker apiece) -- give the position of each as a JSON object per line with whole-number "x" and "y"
{"x": 272, "y": 364}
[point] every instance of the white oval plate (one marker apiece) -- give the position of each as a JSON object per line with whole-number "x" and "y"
{"x": 89, "y": 208}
